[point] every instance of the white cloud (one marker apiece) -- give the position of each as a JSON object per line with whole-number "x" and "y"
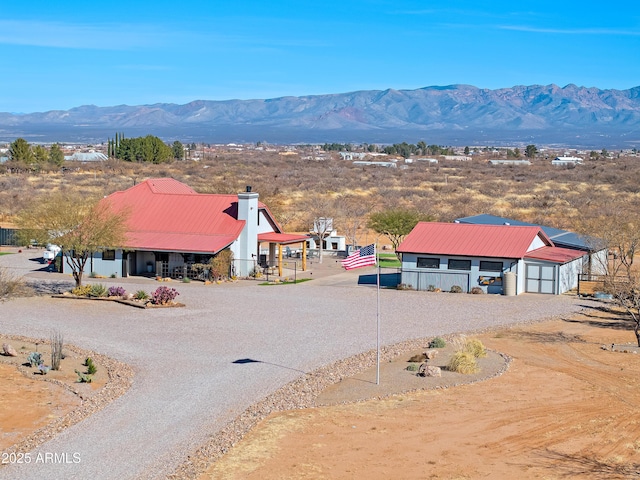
{"x": 571, "y": 31}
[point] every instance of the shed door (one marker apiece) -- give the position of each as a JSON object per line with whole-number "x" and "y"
{"x": 541, "y": 278}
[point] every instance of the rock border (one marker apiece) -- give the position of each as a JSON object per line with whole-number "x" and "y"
{"x": 130, "y": 303}
{"x": 302, "y": 393}
{"x": 120, "y": 378}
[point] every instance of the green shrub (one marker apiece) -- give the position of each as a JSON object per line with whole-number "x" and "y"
{"x": 431, "y": 288}
{"x": 412, "y": 367}
{"x": 475, "y": 348}
{"x": 141, "y": 295}
{"x": 98, "y": 290}
{"x": 186, "y": 280}
{"x": 456, "y": 289}
{"x": 463, "y": 362}
{"x": 91, "y": 367}
{"x": 83, "y": 378}
{"x": 437, "y": 343}
{"x": 82, "y": 291}
{"x": 93, "y": 275}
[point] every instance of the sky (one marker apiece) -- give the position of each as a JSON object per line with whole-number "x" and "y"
{"x": 64, "y": 54}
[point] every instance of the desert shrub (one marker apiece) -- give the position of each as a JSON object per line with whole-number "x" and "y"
{"x": 82, "y": 290}
{"x": 437, "y": 343}
{"x": 164, "y": 295}
{"x": 220, "y": 265}
{"x": 116, "y": 292}
{"x": 98, "y": 290}
{"x": 91, "y": 367}
{"x": 186, "y": 280}
{"x": 57, "y": 343}
{"x": 12, "y": 286}
{"x": 456, "y": 289}
{"x": 141, "y": 295}
{"x": 93, "y": 275}
{"x": 413, "y": 367}
{"x": 82, "y": 378}
{"x": 475, "y": 348}
{"x": 418, "y": 358}
{"x": 477, "y": 291}
{"x": 431, "y": 288}
{"x": 463, "y": 362}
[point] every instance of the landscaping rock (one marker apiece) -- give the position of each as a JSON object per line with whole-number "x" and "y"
{"x": 432, "y": 371}
{"x": 431, "y": 354}
{"x": 8, "y": 350}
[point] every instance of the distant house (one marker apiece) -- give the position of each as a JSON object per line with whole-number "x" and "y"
{"x": 509, "y": 162}
{"x": 441, "y": 255}
{"x": 564, "y": 161}
{"x": 352, "y": 155}
{"x": 171, "y": 227}
{"x": 86, "y": 157}
{"x": 375, "y": 164}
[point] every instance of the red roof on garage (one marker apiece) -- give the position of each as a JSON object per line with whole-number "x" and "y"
{"x": 555, "y": 254}
{"x": 506, "y": 241}
{"x": 168, "y": 215}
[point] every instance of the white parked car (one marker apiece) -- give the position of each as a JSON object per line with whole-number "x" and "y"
{"x": 50, "y": 253}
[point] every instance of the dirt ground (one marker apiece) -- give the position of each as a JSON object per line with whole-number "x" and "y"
{"x": 565, "y": 408}
{"x": 30, "y": 401}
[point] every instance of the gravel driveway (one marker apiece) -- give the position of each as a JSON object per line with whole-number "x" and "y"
{"x": 186, "y": 384}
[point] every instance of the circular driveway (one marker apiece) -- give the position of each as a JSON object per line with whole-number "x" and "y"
{"x": 187, "y": 386}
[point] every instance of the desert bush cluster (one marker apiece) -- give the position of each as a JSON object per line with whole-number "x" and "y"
{"x": 294, "y": 185}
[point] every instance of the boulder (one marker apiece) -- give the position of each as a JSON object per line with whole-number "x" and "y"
{"x": 432, "y": 371}
{"x": 431, "y": 353}
{"x": 8, "y": 350}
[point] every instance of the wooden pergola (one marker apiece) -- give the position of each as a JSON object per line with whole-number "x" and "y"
{"x": 282, "y": 239}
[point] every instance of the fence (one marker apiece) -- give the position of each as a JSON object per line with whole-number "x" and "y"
{"x": 589, "y": 284}
{"x": 9, "y": 237}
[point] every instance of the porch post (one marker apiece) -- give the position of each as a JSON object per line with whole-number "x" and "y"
{"x": 304, "y": 256}
{"x": 279, "y": 259}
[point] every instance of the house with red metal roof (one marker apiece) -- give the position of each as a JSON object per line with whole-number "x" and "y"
{"x": 504, "y": 259}
{"x": 171, "y": 227}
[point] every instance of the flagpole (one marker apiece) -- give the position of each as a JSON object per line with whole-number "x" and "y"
{"x": 377, "y": 321}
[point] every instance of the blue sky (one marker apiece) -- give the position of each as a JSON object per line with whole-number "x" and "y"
{"x": 59, "y": 55}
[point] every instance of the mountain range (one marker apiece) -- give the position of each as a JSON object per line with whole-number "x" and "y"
{"x": 445, "y": 115}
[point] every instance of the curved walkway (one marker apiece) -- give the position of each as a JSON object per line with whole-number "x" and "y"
{"x": 188, "y": 383}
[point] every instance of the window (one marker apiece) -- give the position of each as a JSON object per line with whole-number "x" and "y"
{"x": 109, "y": 255}
{"x": 426, "y": 262}
{"x": 459, "y": 264}
{"x": 486, "y": 266}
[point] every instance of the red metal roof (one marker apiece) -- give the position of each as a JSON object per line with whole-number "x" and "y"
{"x": 555, "y": 254}
{"x": 282, "y": 238}
{"x": 168, "y": 215}
{"x": 472, "y": 240}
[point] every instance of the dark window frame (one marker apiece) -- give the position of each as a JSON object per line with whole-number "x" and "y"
{"x": 424, "y": 259}
{"x": 109, "y": 255}
{"x": 460, "y": 261}
{"x": 496, "y": 267}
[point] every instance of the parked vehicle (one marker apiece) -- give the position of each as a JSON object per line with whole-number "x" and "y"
{"x": 50, "y": 253}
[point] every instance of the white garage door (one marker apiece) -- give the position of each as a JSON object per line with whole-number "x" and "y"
{"x": 541, "y": 278}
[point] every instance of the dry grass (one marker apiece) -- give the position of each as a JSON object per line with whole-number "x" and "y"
{"x": 540, "y": 193}
{"x": 12, "y": 285}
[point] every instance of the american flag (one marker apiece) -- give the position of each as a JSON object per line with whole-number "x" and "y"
{"x": 361, "y": 258}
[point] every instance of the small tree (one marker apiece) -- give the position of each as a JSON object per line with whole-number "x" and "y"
{"x": 395, "y": 224}
{"x": 530, "y": 151}
{"x": 80, "y": 228}
{"x": 220, "y": 265}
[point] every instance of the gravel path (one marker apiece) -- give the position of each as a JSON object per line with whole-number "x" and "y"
{"x": 192, "y": 370}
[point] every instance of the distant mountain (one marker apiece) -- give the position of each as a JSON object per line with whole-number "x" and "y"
{"x": 450, "y": 115}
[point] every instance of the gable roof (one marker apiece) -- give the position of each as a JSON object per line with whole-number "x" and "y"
{"x": 561, "y": 238}
{"x": 472, "y": 240}
{"x": 167, "y": 215}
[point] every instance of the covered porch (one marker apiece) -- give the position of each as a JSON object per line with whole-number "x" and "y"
{"x": 278, "y": 244}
